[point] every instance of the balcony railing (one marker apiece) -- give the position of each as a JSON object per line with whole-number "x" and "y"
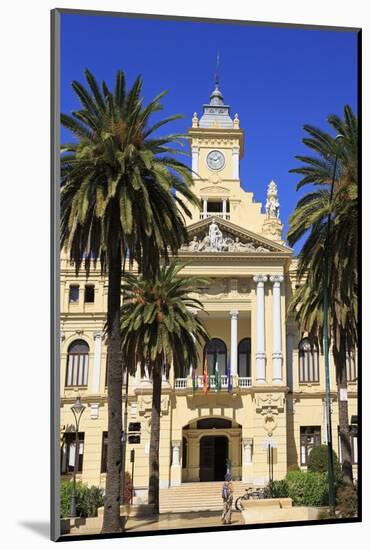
{"x": 223, "y": 215}
{"x": 243, "y": 382}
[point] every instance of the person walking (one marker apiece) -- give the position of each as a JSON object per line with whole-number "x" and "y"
{"x": 227, "y": 496}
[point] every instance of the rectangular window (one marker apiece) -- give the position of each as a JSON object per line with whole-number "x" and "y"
{"x": 353, "y": 433}
{"x": 68, "y": 452}
{"x": 134, "y": 433}
{"x": 89, "y": 294}
{"x": 74, "y": 294}
{"x": 310, "y": 436}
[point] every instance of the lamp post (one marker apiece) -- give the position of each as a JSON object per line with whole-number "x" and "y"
{"x": 77, "y": 409}
{"x": 326, "y": 341}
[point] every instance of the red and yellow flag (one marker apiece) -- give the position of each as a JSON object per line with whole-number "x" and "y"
{"x": 205, "y": 385}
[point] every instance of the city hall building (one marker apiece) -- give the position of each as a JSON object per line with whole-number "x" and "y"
{"x": 270, "y": 412}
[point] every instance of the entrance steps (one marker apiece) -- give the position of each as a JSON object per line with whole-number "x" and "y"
{"x": 197, "y": 496}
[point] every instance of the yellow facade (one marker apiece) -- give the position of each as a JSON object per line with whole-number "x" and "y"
{"x": 278, "y": 400}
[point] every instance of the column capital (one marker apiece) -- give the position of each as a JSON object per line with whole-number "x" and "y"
{"x": 247, "y": 441}
{"x": 276, "y": 279}
{"x": 176, "y": 443}
{"x": 260, "y": 278}
{"x": 234, "y": 313}
{"x": 195, "y": 148}
{"x": 97, "y": 335}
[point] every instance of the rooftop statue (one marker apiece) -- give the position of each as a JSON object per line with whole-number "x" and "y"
{"x": 272, "y": 206}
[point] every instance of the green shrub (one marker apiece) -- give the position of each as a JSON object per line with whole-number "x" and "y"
{"x": 347, "y": 501}
{"x": 293, "y": 468}
{"x": 307, "y": 488}
{"x": 277, "y": 489}
{"x": 318, "y": 460}
{"x": 89, "y": 499}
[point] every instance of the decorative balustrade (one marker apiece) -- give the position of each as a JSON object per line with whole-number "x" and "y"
{"x": 180, "y": 383}
{"x": 223, "y": 215}
{"x": 243, "y": 382}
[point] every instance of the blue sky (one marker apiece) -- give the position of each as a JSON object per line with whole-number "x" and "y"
{"x": 276, "y": 79}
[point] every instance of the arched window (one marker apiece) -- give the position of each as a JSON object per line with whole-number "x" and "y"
{"x": 244, "y": 358}
{"x": 77, "y": 364}
{"x": 216, "y": 352}
{"x": 308, "y": 361}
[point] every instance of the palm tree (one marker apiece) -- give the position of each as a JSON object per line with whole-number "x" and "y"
{"x": 159, "y": 328}
{"x": 123, "y": 196}
{"x": 310, "y": 220}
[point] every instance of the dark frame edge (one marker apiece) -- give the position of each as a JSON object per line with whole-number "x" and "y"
{"x": 55, "y": 275}
{"x": 132, "y": 15}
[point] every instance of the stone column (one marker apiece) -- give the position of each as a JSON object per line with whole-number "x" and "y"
{"x": 234, "y": 343}
{"x": 277, "y": 339}
{"x": 204, "y": 200}
{"x": 236, "y": 162}
{"x": 247, "y": 466}
{"x": 97, "y": 362}
{"x": 290, "y": 349}
{"x": 260, "y": 355}
{"x": 176, "y": 467}
{"x": 224, "y": 209}
{"x": 247, "y": 452}
{"x": 195, "y": 153}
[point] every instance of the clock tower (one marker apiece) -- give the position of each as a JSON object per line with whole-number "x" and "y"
{"x": 217, "y": 144}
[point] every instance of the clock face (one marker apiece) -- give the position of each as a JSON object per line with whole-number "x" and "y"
{"x": 215, "y": 160}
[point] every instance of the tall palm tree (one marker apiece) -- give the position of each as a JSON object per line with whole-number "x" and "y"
{"x": 310, "y": 220}
{"x": 159, "y": 328}
{"x": 123, "y": 196}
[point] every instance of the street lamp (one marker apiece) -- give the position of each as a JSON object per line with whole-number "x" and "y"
{"x": 326, "y": 340}
{"x": 77, "y": 409}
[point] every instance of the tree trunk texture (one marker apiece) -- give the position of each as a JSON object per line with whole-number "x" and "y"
{"x": 154, "y": 466}
{"x": 344, "y": 432}
{"x": 111, "y": 518}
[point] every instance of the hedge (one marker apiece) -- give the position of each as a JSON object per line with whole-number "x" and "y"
{"x": 89, "y": 499}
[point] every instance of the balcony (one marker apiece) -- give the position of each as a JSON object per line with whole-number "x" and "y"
{"x": 223, "y": 215}
{"x": 183, "y": 383}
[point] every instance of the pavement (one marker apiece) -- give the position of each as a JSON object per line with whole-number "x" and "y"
{"x": 184, "y": 520}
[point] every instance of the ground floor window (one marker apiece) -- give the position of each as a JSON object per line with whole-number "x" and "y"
{"x": 184, "y": 452}
{"x": 310, "y": 436}
{"x": 68, "y": 453}
{"x": 353, "y": 433}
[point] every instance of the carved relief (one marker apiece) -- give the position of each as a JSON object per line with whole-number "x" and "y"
{"x": 216, "y": 241}
{"x": 269, "y": 407}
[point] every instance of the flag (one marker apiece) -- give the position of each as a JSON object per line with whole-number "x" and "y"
{"x": 205, "y": 388}
{"x": 194, "y": 380}
{"x": 217, "y": 378}
{"x": 229, "y": 374}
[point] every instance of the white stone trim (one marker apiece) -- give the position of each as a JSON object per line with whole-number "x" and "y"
{"x": 260, "y": 355}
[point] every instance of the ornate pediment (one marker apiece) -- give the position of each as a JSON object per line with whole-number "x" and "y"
{"x": 219, "y": 235}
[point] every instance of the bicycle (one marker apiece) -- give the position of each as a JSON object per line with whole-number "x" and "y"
{"x": 250, "y": 494}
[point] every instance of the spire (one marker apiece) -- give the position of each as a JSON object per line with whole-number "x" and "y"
{"x": 216, "y": 113}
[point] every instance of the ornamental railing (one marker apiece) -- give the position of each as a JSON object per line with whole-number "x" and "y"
{"x": 243, "y": 382}
{"x": 223, "y": 215}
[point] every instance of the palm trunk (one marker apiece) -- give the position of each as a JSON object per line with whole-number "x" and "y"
{"x": 111, "y": 518}
{"x": 344, "y": 434}
{"x": 154, "y": 469}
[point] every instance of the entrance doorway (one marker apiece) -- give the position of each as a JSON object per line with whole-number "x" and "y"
{"x": 213, "y": 457}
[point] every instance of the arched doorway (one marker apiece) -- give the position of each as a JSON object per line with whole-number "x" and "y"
{"x": 213, "y": 457}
